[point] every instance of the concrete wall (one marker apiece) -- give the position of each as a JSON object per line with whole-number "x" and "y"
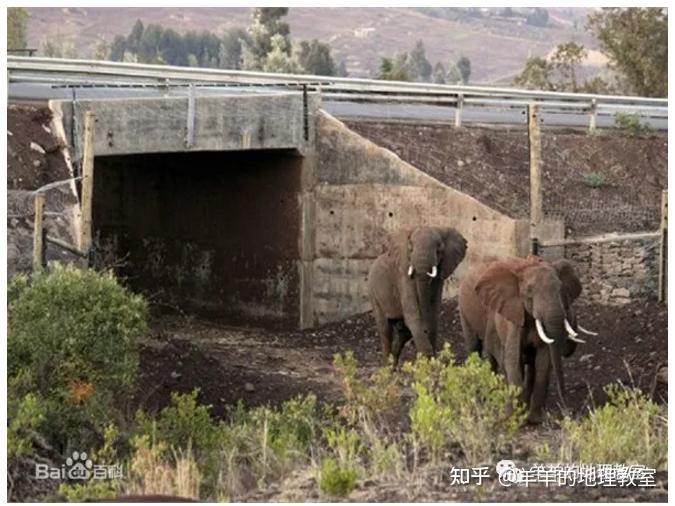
{"x": 232, "y": 122}
{"x": 216, "y": 233}
{"x": 359, "y": 193}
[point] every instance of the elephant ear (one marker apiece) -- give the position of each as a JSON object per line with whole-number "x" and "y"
{"x": 399, "y": 248}
{"x": 570, "y": 281}
{"x": 454, "y": 251}
{"x": 498, "y": 289}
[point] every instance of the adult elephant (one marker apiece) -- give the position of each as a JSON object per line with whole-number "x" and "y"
{"x": 405, "y": 285}
{"x": 518, "y": 313}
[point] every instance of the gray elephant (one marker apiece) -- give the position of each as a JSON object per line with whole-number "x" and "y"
{"x": 405, "y": 286}
{"x": 518, "y": 314}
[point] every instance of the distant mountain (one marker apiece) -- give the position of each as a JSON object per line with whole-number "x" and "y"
{"x": 497, "y": 42}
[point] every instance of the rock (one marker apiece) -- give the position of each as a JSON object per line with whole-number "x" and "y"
{"x": 460, "y": 163}
{"x": 10, "y": 133}
{"x": 621, "y": 292}
{"x": 248, "y": 387}
{"x": 175, "y": 374}
{"x": 36, "y": 147}
{"x": 586, "y": 357}
{"x": 36, "y": 163}
{"x": 47, "y": 129}
{"x": 662, "y": 375}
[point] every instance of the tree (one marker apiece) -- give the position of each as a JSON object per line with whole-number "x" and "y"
{"x": 278, "y": 59}
{"x": 17, "y": 23}
{"x": 453, "y": 76}
{"x": 537, "y": 17}
{"x": 394, "y": 69}
{"x": 536, "y": 75}
{"x": 636, "y": 42}
{"x": 229, "y": 51}
{"x": 565, "y": 61}
{"x": 464, "y": 66}
{"x": 417, "y": 65}
{"x": 266, "y": 24}
{"x": 134, "y": 38}
{"x": 117, "y": 48}
{"x": 341, "y": 70}
{"x": 315, "y": 58}
{"x": 439, "y": 74}
{"x": 102, "y": 50}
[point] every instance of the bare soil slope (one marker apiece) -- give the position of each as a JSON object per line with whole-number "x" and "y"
{"x": 492, "y": 165}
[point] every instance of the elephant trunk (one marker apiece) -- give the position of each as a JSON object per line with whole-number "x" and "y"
{"x": 555, "y": 326}
{"x": 423, "y": 291}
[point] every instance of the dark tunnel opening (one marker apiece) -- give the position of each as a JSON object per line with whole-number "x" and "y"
{"x": 212, "y": 233}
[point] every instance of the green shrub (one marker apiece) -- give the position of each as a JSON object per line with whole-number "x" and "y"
{"x": 467, "y": 405}
{"x": 95, "y": 490}
{"x": 335, "y": 479}
{"x": 595, "y": 179}
{"x": 377, "y": 400}
{"x": 25, "y": 417}
{"x": 257, "y": 446}
{"x": 629, "y": 429}
{"x": 631, "y": 123}
{"x": 72, "y": 343}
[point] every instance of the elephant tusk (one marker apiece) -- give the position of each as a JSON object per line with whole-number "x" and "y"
{"x": 410, "y": 271}
{"x": 433, "y": 273}
{"x": 586, "y": 331}
{"x": 542, "y": 334}
{"x": 576, "y": 339}
{"x": 570, "y": 331}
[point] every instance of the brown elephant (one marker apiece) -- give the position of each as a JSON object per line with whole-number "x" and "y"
{"x": 405, "y": 286}
{"x": 518, "y": 313}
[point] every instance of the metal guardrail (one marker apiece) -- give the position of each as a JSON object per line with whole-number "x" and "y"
{"x": 53, "y": 70}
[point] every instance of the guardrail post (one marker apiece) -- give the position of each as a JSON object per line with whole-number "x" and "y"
{"x": 39, "y": 233}
{"x": 663, "y": 249}
{"x": 87, "y": 183}
{"x": 458, "y": 110}
{"x": 534, "y": 144}
{"x": 593, "y": 114}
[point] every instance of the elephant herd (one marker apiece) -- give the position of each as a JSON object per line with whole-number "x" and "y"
{"x": 516, "y": 313}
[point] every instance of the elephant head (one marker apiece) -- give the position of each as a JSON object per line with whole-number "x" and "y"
{"x": 425, "y": 257}
{"x": 533, "y": 292}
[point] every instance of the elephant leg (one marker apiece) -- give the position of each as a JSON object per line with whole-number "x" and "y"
{"x": 433, "y": 318}
{"x": 513, "y": 366}
{"x": 494, "y": 365}
{"x": 384, "y": 329}
{"x": 401, "y": 336}
{"x": 471, "y": 340}
{"x": 542, "y": 373}
{"x": 420, "y": 335}
{"x": 528, "y": 375}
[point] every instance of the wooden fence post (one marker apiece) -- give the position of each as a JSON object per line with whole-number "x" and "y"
{"x": 87, "y": 183}
{"x": 534, "y": 143}
{"x": 663, "y": 249}
{"x": 39, "y": 233}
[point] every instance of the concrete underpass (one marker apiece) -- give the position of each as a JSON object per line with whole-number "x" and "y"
{"x": 257, "y": 209}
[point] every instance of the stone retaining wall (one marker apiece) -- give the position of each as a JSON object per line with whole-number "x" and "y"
{"x": 617, "y": 272}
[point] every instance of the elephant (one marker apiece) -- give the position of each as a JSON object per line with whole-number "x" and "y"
{"x": 518, "y": 314}
{"x": 405, "y": 286}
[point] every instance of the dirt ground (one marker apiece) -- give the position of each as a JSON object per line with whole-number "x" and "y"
{"x": 492, "y": 165}
{"x": 267, "y": 367}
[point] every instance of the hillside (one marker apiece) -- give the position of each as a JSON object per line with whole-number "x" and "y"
{"x": 497, "y": 46}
